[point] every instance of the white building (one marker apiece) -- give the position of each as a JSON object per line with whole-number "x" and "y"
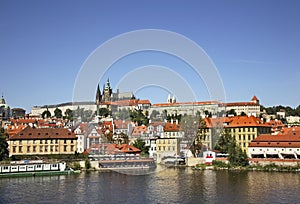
{"x": 286, "y": 146}
{"x": 251, "y": 108}
{"x": 38, "y": 110}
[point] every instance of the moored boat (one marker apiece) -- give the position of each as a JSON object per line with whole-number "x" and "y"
{"x": 33, "y": 168}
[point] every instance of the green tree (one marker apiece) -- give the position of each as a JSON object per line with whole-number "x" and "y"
{"x": 139, "y": 117}
{"x": 297, "y": 110}
{"x": 104, "y": 112}
{"x": 141, "y": 145}
{"x": 87, "y": 164}
{"x": 3, "y": 145}
{"x": 227, "y": 144}
{"x": 69, "y": 114}
{"x": 57, "y": 113}
{"x": 243, "y": 113}
{"x": 231, "y": 112}
{"x": 46, "y": 114}
{"x": 223, "y": 142}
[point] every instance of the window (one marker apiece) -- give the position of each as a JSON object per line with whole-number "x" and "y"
{"x": 20, "y": 149}
{"x": 72, "y": 147}
{"x": 56, "y": 148}
{"x": 65, "y": 148}
{"x": 28, "y": 149}
{"x": 34, "y": 149}
{"x": 14, "y": 149}
{"x": 65, "y": 141}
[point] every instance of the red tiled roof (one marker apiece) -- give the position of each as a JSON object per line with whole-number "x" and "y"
{"x": 121, "y": 124}
{"x": 186, "y": 103}
{"x": 254, "y": 98}
{"x": 138, "y": 130}
{"x": 246, "y": 121}
{"x": 115, "y": 148}
{"x": 43, "y": 133}
{"x": 287, "y": 140}
{"x": 157, "y": 123}
{"x": 240, "y": 104}
{"x": 172, "y": 127}
{"x": 144, "y": 102}
{"x": 21, "y": 120}
{"x": 289, "y": 130}
{"x": 12, "y": 129}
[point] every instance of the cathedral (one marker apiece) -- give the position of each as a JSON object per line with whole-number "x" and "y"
{"x": 108, "y": 95}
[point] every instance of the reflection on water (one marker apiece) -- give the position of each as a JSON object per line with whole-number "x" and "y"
{"x": 171, "y": 185}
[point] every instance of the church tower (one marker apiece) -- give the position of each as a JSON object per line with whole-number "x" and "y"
{"x": 98, "y": 96}
{"x": 107, "y": 92}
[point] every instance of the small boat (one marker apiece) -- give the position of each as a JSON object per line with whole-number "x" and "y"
{"x": 33, "y": 168}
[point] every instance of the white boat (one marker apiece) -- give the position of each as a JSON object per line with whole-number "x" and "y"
{"x": 33, "y": 168}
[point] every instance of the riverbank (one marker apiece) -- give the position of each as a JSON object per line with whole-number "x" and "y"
{"x": 268, "y": 168}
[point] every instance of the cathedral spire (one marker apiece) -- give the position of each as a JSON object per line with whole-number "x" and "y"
{"x": 98, "y": 95}
{"x": 108, "y": 83}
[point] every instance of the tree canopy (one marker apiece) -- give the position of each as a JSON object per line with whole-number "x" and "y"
{"x": 57, "y": 113}
{"x": 227, "y": 144}
{"x": 139, "y": 117}
{"x": 140, "y": 144}
{"x": 3, "y": 145}
{"x": 46, "y": 114}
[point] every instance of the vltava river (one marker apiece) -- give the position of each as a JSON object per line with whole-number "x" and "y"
{"x": 181, "y": 185}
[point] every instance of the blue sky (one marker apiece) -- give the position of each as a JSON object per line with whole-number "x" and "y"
{"x": 254, "y": 45}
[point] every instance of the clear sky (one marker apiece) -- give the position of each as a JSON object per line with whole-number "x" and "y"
{"x": 254, "y": 45}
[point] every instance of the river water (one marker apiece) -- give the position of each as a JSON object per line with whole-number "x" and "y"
{"x": 172, "y": 185}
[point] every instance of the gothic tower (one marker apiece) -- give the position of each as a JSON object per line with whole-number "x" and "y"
{"x": 107, "y": 92}
{"x": 98, "y": 96}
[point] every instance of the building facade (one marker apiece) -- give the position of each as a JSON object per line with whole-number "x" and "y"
{"x": 282, "y": 146}
{"x": 42, "y": 141}
{"x": 167, "y": 147}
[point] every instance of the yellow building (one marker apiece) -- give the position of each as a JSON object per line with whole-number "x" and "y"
{"x": 42, "y": 141}
{"x": 166, "y": 147}
{"x": 243, "y": 128}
